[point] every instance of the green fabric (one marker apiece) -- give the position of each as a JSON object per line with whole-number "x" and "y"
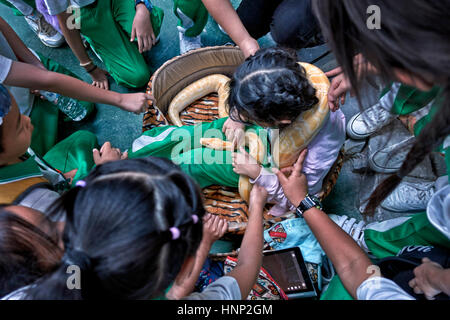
{"x": 74, "y": 152}
{"x": 31, "y": 3}
{"x": 182, "y": 146}
{"x": 20, "y": 170}
{"x": 410, "y": 99}
{"x": 107, "y": 25}
{"x": 45, "y": 116}
{"x": 196, "y": 11}
{"x": 415, "y": 231}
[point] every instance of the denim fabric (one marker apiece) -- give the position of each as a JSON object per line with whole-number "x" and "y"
{"x": 295, "y": 233}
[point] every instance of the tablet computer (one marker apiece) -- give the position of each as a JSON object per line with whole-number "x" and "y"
{"x": 288, "y": 269}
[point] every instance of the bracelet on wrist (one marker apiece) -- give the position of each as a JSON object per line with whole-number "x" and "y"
{"x": 147, "y": 4}
{"x": 84, "y": 65}
{"x": 92, "y": 69}
{"x": 308, "y": 203}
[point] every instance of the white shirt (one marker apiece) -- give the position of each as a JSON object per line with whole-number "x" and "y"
{"x": 378, "y": 288}
{"x": 57, "y": 6}
{"x": 22, "y": 96}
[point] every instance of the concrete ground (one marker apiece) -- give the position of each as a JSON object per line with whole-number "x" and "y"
{"x": 121, "y": 128}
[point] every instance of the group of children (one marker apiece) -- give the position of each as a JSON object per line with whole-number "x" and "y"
{"x": 67, "y": 203}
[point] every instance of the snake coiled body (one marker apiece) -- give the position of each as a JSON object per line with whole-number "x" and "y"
{"x": 291, "y": 140}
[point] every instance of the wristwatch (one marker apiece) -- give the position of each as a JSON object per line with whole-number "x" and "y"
{"x": 147, "y": 3}
{"x": 308, "y": 203}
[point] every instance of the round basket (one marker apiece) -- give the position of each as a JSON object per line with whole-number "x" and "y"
{"x": 179, "y": 72}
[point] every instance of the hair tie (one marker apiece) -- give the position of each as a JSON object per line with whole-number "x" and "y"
{"x": 195, "y": 218}
{"x": 81, "y": 184}
{"x": 175, "y": 233}
{"x": 76, "y": 258}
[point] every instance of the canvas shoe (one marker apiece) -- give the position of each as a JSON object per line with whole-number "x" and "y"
{"x": 48, "y": 35}
{"x": 390, "y": 159}
{"x": 353, "y": 228}
{"x": 409, "y": 196}
{"x": 187, "y": 43}
{"x": 366, "y": 123}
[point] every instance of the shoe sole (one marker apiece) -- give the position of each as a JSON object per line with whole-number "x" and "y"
{"x": 352, "y": 133}
{"x": 52, "y": 45}
{"x": 375, "y": 167}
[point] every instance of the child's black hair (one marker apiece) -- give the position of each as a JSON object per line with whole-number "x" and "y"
{"x": 413, "y": 36}
{"x": 118, "y": 231}
{"x": 270, "y": 87}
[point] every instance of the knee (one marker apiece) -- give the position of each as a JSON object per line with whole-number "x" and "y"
{"x": 136, "y": 78}
{"x": 298, "y": 33}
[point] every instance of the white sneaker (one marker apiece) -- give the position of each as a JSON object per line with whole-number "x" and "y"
{"x": 366, "y": 123}
{"x": 188, "y": 43}
{"x": 48, "y": 35}
{"x": 353, "y": 229}
{"x": 409, "y": 196}
{"x": 390, "y": 159}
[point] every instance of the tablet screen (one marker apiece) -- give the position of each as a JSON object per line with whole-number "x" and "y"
{"x": 287, "y": 268}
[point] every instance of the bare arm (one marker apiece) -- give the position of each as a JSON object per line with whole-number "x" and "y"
{"x": 225, "y": 15}
{"x": 73, "y": 38}
{"x": 348, "y": 258}
{"x": 250, "y": 255}
{"x": 28, "y": 76}
{"x": 213, "y": 229}
{"x": 19, "y": 48}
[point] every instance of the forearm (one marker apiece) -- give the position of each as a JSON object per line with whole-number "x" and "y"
{"x": 250, "y": 255}
{"x": 21, "y": 51}
{"x": 185, "y": 286}
{"x": 28, "y": 76}
{"x": 73, "y": 38}
{"x": 223, "y": 12}
{"x": 348, "y": 258}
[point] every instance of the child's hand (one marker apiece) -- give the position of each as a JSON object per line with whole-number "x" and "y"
{"x": 70, "y": 175}
{"x": 214, "y": 228}
{"x": 295, "y": 187}
{"x": 142, "y": 29}
{"x": 234, "y": 131}
{"x": 258, "y": 196}
{"x": 107, "y": 154}
{"x": 245, "y": 164}
{"x": 99, "y": 78}
{"x": 427, "y": 276}
{"x": 136, "y": 102}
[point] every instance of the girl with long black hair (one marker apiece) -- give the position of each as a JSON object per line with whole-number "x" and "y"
{"x": 132, "y": 228}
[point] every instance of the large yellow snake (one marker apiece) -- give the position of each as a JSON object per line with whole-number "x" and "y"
{"x": 285, "y": 148}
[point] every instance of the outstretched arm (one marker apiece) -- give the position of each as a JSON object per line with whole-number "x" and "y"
{"x": 29, "y": 76}
{"x": 350, "y": 261}
{"x": 225, "y": 15}
{"x": 250, "y": 255}
{"x": 73, "y": 38}
{"x": 213, "y": 229}
{"x": 20, "y": 50}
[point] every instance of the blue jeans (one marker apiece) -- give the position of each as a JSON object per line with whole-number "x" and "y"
{"x": 291, "y": 22}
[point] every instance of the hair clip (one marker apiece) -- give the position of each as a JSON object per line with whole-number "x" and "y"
{"x": 175, "y": 233}
{"x": 80, "y": 183}
{"x": 195, "y": 218}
